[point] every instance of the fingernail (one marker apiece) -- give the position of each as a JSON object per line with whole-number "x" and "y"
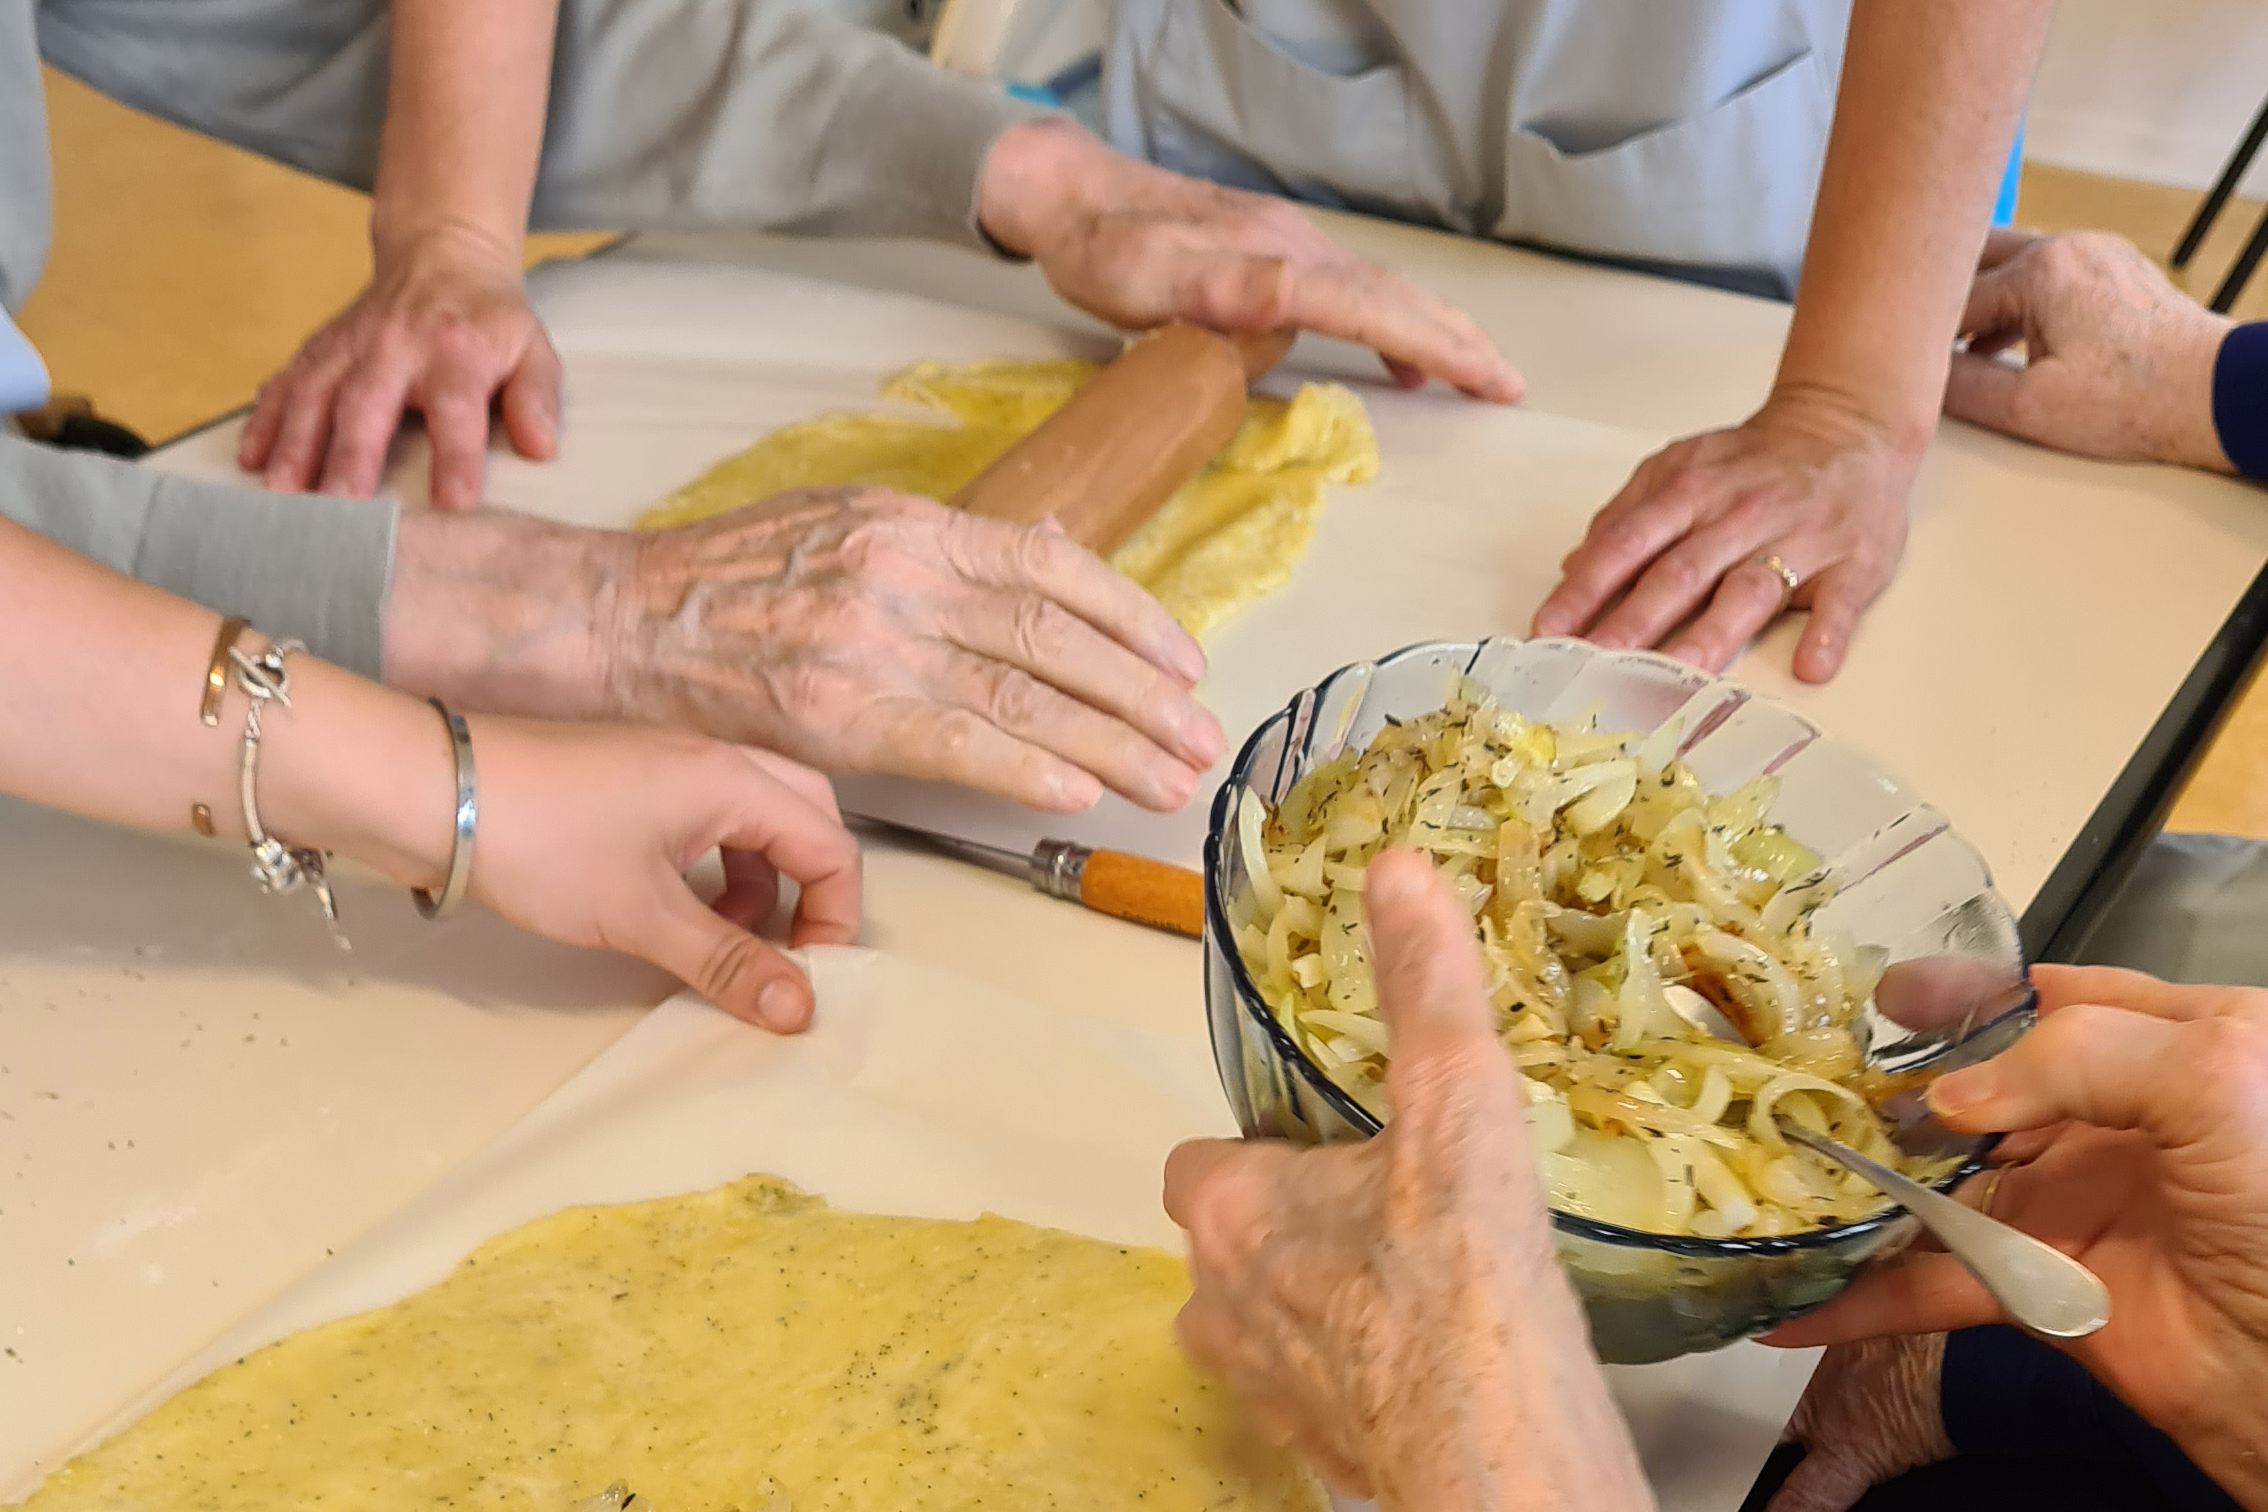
{"x": 1204, "y": 736}
{"x": 1174, "y": 785}
{"x": 1189, "y": 661}
{"x": 1553, "y": 622}
{"x": 1959, "y": 1091}
{"x": 1073, "y": 792}
{"x": 1686, "y": 652}
{"x": 779, "y": 1006}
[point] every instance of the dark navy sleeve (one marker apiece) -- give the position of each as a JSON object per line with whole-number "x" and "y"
{"x": 2240, "y": 398}
{"x": 2008, "y": 1395}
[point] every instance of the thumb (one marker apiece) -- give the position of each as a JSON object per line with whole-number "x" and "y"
{"x": 1825, "y": 1481}
{"x": 724, "y": 963}
{"x": 1988, "y": 392}
{"x": 2003, "y": 242}
{"x": 2109, "y": 1067}
{"x": 1244, "y": 294}
{"x": 1999, "y": 303}
{"x": 531, "y": 401}
{"x": 1427, "y": 962}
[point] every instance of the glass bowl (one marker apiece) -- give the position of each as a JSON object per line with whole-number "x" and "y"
{"x": 1905, "y": 882}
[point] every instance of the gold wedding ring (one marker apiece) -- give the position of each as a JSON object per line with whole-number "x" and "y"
{"x": 1988, "y": 1188}
{"x": 1789, "y": 582}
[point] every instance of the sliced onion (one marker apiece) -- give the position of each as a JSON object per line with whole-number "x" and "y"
{"x": 1251, "y": 821}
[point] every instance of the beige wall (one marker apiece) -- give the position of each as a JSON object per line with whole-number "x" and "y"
{"x": 2151, "y": 89}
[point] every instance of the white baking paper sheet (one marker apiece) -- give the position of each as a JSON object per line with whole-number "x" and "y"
{"x": 921, "y": 1092}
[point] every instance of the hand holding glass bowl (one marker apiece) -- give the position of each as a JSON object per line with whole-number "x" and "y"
{"x": 1892, "y": 884}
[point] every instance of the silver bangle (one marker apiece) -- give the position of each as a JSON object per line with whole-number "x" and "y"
{"x": 277, "y": 867}
{"x": 468, "y": 818}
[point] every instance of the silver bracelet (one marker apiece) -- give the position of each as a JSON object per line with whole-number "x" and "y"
{"x": 468, "y": 818}
{"x": 277, "y": 867}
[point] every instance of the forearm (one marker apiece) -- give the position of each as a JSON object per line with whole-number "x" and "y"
{"x": 307, "y": 566}
{"x": 686, "y": 113}
{"x": 98, "y": 716}
{"x": 1526, "y": 1422}
{"x": 1931, "y": 92}
{"x": 467, "y": 86}
{"x": 504, "y": 613}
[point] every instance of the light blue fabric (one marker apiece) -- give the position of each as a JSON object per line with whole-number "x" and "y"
{"x": 2004, "y": 208}
{"x": 23, "y": 377}
{"x": 1682, "y": 138}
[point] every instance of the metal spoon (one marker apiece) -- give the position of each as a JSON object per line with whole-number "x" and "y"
{"x": 2038, "y": 1285}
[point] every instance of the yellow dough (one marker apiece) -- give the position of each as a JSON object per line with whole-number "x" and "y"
{"x": 1229, "y": 536}
{"x": 745, "y": 1349}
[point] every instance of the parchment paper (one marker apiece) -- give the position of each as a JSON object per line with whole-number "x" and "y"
{"x": 921, "y": 1092}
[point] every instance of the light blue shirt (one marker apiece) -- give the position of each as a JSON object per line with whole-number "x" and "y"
{"x": 23, "y": 377}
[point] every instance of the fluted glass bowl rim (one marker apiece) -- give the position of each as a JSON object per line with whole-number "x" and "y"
{"x": 1219, "y": 937}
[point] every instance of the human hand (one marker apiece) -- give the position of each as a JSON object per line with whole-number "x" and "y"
{"x": 1396, "y": 1308}
{"x": 2118, "y": 363}
{"x": 862, "y": 630}
{"x": 444, "y": 328}
{"x": 1138, "y": 246}
{"x": 586, "y": 833}
{"x": 1869, "y": 1415}
{"x": 2138, "y": 1111}
{"x": 1808, "y": 479}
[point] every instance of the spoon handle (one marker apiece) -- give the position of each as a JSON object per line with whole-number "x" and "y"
{"x": 2040, "y": 1286}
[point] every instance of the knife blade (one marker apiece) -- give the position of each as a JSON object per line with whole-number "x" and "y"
{"x": 1119, "y": 883}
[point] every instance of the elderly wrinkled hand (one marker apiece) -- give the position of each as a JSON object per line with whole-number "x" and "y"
{"x": 444, "y": 329}
{"x": 1139, "y": 246}
{"x": 1396, "y": 1308}
{"x": 2136, "y": 1117}
{"x": 2116, "y": 362}
{"x": 863, "y": 630}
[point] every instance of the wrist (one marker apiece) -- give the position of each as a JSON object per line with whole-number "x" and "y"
{"x": 402, "y": 236}
{"x": 1034, "y": 175}
{"x": 359, "y": 771}
{"x": 2225, "y": 1433}
{"x": 505, "y": 614}
{"x": 1526, "y": 1421}
{"x": 1852, "y": 415}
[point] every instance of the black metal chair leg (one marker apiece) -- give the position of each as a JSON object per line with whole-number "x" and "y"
{"x": 2223, "y": 187}
{"x": 2240, "y": 271}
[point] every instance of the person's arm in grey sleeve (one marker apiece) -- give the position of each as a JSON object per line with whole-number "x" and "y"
{"x": 771, "y": 116}
{"x": 752, "y": 113}
{"x": 311, "y": 568}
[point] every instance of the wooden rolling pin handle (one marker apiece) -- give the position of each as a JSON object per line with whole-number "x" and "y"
{"x": 1146, "y": 891}
{"x": 1139, "y": 429}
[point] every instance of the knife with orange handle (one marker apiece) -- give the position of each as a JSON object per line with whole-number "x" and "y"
{"x": 1113, "y": 882}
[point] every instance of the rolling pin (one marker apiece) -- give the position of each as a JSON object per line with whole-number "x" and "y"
{"x": 1137, "y": 431}
{"x": 1118, "y": 883}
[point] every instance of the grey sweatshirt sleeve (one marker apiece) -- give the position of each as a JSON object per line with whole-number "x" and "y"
{"x": 665, "y": 114}
{"x": 774, "y": 117}
{"x": 298, "y": 565}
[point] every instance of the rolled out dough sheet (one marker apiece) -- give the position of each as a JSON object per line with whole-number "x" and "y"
{"x": 1227, "y": 537}
{"x": 916, "y": 1092}
{"x": 745, "y": 1347}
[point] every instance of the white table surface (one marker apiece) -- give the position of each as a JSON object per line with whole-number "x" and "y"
{"x": 199, "y": 1101}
